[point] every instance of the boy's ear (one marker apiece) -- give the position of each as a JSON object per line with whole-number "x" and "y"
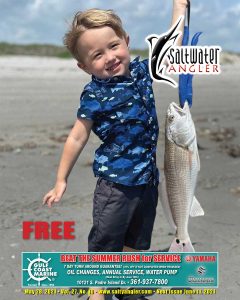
{"x": 127, "y": 39}
{"x": 82, "y": 67}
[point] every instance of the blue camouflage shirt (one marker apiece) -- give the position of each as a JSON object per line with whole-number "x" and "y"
{"x": 124, "y": 118}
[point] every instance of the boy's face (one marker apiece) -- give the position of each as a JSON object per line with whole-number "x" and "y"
{"x": 104, "y": 53}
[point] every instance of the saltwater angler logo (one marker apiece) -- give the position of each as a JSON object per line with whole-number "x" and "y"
{"x": 38, "y": 270}
{"x": 165, "y": 58}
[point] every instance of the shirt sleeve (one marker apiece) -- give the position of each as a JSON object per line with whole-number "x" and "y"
{"x": 89, "y": 107}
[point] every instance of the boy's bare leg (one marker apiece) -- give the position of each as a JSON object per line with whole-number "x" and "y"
{"x": 128, "y": 249}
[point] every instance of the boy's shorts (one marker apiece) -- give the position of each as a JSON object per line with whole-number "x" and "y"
{"x": 122, "y": 216}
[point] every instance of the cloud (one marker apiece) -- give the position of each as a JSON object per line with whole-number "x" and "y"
{"x": 35, "y": 6}
{"x": 197, "y": 9}
{"x": 235, "y": 10}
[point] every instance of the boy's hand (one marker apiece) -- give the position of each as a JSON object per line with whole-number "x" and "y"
{"x": 179, "y": 9}
{"x": 180, "y": 3}
{"x": 55, "y": 194}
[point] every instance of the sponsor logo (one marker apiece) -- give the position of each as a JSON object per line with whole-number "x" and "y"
{"x": 165, "y": 58}
{"x": 39, "y": 270}
{"x": 201, "y": 270}
{"x": 200, "y": 258}
{"x": 188, "y": 258}
{"x": 201, "y": 280}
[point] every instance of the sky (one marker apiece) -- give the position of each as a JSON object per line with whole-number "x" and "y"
{"x": 46, "y": 21}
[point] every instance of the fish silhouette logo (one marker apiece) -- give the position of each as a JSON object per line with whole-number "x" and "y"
{"x": 158, "y": 49}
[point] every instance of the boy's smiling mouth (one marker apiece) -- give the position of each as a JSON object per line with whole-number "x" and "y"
{"x": 113, "y": 67}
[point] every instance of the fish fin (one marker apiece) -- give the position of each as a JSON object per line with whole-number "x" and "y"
{"x": 165, "y": 202}
{"x": 193, "y": 148}
{"x": 176, "y": 246}
{"x": 198, "y": 161}
{"x": 190, "y": 155}
{"x": 196, "y": 208}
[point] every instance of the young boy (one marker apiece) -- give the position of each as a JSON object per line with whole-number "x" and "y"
{"x": 118, "y": 105}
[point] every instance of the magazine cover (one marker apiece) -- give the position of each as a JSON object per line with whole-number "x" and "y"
{"x": 120, "y": 149}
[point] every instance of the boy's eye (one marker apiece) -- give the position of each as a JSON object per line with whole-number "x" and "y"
{"x": 97, "y": 55}
{"x": 114, "y": 45}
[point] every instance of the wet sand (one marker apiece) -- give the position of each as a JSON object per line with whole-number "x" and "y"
{"x": 39, "y": 99}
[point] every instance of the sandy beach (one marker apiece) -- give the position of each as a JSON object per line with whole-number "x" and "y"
{"x": 39, "y": 98}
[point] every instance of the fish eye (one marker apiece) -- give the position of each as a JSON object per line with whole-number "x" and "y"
{"x": 170, "y": 118}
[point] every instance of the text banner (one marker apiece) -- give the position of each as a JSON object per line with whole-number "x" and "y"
{"x": 138, "y": 269}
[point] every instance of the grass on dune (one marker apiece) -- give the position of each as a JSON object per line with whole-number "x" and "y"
{"x": 47, "y": 50}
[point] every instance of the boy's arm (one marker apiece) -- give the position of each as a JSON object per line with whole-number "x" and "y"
{"x": 74, "y": 145}
{"x": 179, "y": 9}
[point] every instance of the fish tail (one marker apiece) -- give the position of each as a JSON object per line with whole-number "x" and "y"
{"x": 181, "y": 246}
{"x": 176, "y": 246}
{"x": 188, "y": 247}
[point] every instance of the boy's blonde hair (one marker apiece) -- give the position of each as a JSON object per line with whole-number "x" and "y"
{"x": 91, "y": 18}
